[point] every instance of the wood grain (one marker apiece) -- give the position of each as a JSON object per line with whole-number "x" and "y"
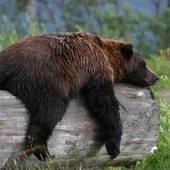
{"x": 75, "y": 139}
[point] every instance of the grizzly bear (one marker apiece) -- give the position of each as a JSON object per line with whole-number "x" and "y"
{"x": 46, "y": 71}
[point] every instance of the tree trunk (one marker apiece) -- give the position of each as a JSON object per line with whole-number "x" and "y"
{"x": 75, "y": 141}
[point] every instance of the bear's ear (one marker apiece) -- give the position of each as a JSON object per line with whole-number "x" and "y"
{"x": 126, "y": 50}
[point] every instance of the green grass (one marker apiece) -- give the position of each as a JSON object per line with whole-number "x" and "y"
{"x": 160, "y": 64}
{"x": 160, "y": 158}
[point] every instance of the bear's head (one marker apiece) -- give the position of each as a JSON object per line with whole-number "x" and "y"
{"x": 137, "y": 72}
{"x": 129, "y": 64}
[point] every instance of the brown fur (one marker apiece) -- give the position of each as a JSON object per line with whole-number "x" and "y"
{"x": 47, "y": 71}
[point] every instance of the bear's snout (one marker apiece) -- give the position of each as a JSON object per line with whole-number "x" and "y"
{"x": 152, "y": 79}
{"x": 156, "y": 78}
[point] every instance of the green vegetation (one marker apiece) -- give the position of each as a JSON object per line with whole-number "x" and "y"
{"x": 148, "y": 30}
{"x": 126, "y": 26}
{"x": 8, "y": 33}
{"x": 159, "y": 160}
{"x": 160, "y": 63}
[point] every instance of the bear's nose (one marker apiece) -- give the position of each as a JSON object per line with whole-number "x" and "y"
{"x": 156, "y": 77}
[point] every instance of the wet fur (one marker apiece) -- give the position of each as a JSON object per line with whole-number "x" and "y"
{"x": 45, "y": 72}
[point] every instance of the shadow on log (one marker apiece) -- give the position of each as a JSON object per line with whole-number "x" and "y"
{"x": 74, "y": 139}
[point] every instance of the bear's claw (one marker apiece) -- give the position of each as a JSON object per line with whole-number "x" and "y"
{"x": 112, "y": 147}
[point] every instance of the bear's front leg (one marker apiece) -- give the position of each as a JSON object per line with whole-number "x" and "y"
{"x": 104, "y": 106}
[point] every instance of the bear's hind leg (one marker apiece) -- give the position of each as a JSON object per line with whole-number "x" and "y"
{"x": 36, "y": 140}
{"x": 41, "y": 127}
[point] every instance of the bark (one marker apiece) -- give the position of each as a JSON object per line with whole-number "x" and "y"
{"x": 75, "y": 141}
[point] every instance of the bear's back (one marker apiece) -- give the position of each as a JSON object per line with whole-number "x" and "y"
{"x": 68, "y": 57}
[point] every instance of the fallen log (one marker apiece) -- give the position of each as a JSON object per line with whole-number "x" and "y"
{"x": 75, "y": 139}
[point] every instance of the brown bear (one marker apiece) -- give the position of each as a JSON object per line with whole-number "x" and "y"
{"x": 45, "y": 72}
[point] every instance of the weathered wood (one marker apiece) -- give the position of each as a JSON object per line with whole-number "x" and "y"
{"x": 74, "y": 139}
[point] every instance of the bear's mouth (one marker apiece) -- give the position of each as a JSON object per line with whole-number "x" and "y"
{"x": 141, "y": 83}
{"x": 153, "y": 81}
{"x": 149, "y": 84}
